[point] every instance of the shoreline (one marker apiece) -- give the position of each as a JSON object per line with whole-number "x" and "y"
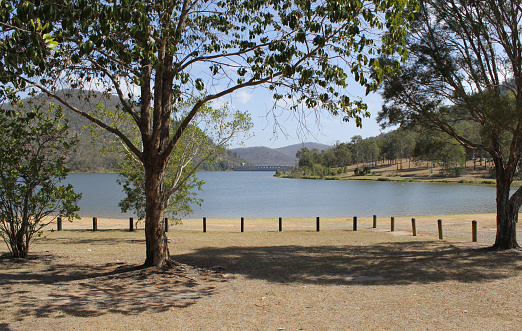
{"x": 457, "y": 228}
{"x": 233, "y": 224}
{"x": 408, "y": 179}
{"x": 406, "y": 171}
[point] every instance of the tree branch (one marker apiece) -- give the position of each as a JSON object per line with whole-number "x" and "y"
{"x": 101, "y": 124}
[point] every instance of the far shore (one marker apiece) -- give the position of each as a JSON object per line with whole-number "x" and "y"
{"x": 408, "y": 179}
{"x": 410, "y": 171}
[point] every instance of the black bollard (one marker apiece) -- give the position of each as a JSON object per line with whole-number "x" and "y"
{"x": 474, "y": 231}
{"x": 242, "y": 224}
{"x": 317, "y": 224}
{"x": 392, "y": 225}
{"x": 414, "y": 227}
{"x": 166, "y": 224}
{"x": 94, "y": 224}
{"x": 59, "y": 223}
{"x": 439, "y": 223}
{"x": 131, "y": 224}
{"x": 374, "y": 221}
{"x": 355, "y": 223}
{"x": 204, "y": 224}
{"x": 280, "y": 224}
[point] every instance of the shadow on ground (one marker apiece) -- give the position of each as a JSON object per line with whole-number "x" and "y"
{"x": 43, "y": 287}
{"x": 381, "y": 264}
{"x": 100, "y": 237}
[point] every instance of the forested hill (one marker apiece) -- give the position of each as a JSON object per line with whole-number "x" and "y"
{"x": 88, "y": 157}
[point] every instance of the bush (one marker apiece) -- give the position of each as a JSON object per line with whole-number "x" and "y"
{"x": 34, "y": 146}
{"x": 458, "y": 171}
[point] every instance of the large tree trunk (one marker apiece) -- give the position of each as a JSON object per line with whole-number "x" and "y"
{"x": 157, "y": 252}
{"x": 507, "y": 212}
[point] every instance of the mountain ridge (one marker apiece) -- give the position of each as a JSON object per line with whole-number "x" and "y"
{"x": 283, "y": 156}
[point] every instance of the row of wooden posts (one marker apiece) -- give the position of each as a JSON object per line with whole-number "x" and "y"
{"x": 474, "y": 228}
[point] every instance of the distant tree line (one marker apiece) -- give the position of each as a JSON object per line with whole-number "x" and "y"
{"x": 394, "y": 147}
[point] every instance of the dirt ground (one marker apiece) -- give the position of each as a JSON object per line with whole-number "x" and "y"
{"x": 263, "y": 279}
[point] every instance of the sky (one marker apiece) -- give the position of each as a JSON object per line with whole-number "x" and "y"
{"x": 283, "y": 128}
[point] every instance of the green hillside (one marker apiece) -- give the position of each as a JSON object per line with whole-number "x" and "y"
{"x": 90, "y": 155}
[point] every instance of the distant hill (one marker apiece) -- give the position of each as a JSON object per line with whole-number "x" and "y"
{"x": 292, "y": 149}
{"x": 274, "y": 156}
{"x": 88, "y": 157}
{"x": 263, "y": 156}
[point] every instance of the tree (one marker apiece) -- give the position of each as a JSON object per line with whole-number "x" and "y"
{"x": 328, "y": 158}
{"x": 465, "y": 65}
{"x": 304, "y": 158}
{"x": 33, "y": 149}
{"x": 154, "y": 54}
{"x": 369, "y": 150}
{"x": 437, "y": 147}
{"x": 343, "y": 156}
{"x": 355, "y": 144}
{"x": 200, "y": 142}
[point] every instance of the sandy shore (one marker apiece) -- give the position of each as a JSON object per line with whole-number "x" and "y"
{"x": 457, "y": 227}
{"x": 297, "y": 279}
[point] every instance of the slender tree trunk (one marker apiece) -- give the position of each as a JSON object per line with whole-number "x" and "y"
{"x": 507, "y": 214}
{"x": 21, "y": 243}
{"x": 157, "y": 252}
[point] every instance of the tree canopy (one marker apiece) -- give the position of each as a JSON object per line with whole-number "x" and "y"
{"x": 464, "y": 77}
{"x": 155, "y": 54}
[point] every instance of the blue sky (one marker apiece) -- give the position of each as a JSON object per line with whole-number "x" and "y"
{"x": 283, "y": 127}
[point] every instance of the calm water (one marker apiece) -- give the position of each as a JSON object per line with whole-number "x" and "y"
{"x": 259, "y": 194}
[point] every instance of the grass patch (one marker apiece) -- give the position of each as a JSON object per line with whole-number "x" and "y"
{"x": 478, "y": 181}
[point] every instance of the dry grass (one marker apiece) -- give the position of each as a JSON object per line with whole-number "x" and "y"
{"x": 266, "y": 280}
{"x": 422, "y": 172}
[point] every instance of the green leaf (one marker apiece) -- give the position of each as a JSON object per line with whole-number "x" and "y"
{"x": 200, "y": 86}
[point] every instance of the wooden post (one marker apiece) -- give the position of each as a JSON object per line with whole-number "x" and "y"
{"x": 204, "y": 224}
{"x": 94, "y": 224}
{"x": 474, "y": 231}
{"x": 59, "y": 223}
{"x": 439, "y": 223}
{"x": 166, "y": 224}
{"x": 242, "y": 224}
{"x": 355, "y": 223}
{"x": 280, "y": 224}
{"x": 414, "y": 227}
{"x": 317, "y": 220}
{"x": 374, "y": 221}
{"x": 131, "y": 224}
{"x": 392, "y": 225}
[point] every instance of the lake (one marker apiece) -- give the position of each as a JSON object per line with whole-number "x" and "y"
{"x": 260, "y": 195}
